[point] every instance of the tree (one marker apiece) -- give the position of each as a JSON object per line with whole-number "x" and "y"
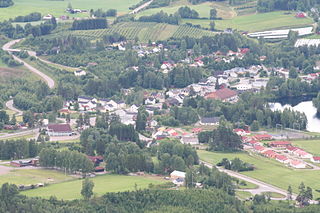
{"x": 212, "y": 26}
{"x": 213, "y": 14}
{"x": 289, "y": 193}
{"x": 87, "y": 188}
{"x": 305, "y": 195}
{"x": 255, "y": 125}
{"x": 293, "y": 73}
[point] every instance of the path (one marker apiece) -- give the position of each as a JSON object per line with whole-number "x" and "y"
{"x": 10, "y": 106}
{"x": 7, "y": 47}
{"x": 20, "y": 134}
{"x": 141, "y": 7}
{"x": 263, "y": 187}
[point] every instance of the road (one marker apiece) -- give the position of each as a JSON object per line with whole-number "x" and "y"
{"x": 138, "y": 9}
{"x": 7, "y": 47}
{"x": 20, "y": 134}
{"x": 10, "y": 106}
{"x": 262, "y": 186}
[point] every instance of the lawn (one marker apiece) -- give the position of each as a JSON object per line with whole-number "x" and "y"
{"x": 57, "y": 8}
{"x": 256, "y": 22}
{"x": 243, "y": 195}
{"x": 102, "y": 184}
{"x": 312, "y": 146}
{"x": 269, "y": 171}
{"x": 33, "y": 176}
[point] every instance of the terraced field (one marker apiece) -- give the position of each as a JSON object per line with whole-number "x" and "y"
{"x": 144, "y": 31}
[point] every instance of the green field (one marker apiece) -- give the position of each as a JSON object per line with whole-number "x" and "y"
{"x": 145, "y": 31}
{"x": 312, "y": 146}
{"x": 57, "y": 8}
{"x": 243, "y": 195}
{"x": 33, "y": 176}
{"x": 102, "y": 184}
{"x": 269, "y": 171}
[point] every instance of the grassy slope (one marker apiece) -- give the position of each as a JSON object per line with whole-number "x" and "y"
{"x": 102, "y": 184}
{"x": 57, "y": 8}
{"x": 269, "y": 171}
{"x": 33, "y": 176}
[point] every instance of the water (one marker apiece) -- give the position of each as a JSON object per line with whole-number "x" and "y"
{"x": 303, "y": 106}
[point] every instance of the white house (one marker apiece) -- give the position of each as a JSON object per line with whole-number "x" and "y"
{"x": 59, "y": 130}
{"x": 297, "y": 164}
{"x": 150, "y": 101}
{"x": 177, "y": 174}
{"x": 80, "y": 73}
{"x": 192, "y": 140}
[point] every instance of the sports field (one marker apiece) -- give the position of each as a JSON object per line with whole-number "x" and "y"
{"x": 57, "y": 8}
{"x": 270, "y": 171}
{"x": 102, "y": 184}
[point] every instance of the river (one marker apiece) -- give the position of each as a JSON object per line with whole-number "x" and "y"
{"x": 303, "y": 106}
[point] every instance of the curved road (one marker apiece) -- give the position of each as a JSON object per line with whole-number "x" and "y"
{"x": 263, "y": 187}
{"x": 47, "y": 79}
{"x": 10, "y": 106}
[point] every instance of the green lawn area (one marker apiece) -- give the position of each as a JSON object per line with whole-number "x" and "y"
{"x": 57, "y": 8}
{"x": 102, "y": 184}
{"x": 269, "y": 171}
{"x": 274, "y": 194}
{"x": 256, "y": 22}
{"x": 243, "y": 195}
{"x": 312, "y": 146}
{"x": 33, "y": 176}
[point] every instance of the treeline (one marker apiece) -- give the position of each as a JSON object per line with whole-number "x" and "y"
{"x": 18, "y": 149}
{"x": 71, "y": 161}
{"x": 161, "y": 17}
{"x": 28, "y": 18}
{"x": 103, "y": 14}
{"x": 6, "y": 3}
{"x": 299, "y": 5}
{"x": 89, "y": 24}
{"x": 10, "y": 31}
{"x": 235, "y": 165}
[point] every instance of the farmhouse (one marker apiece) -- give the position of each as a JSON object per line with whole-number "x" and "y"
{"x": 80, "y": 73}
{"x": 241, "y": 132}
{"x": 225, "y": 95}
{"x": 206, "y": 121}
{"x": 282, "y": 159}
{"x": 297, "y": 164}
{"x": 302, "y": 154}
{"x": 315, "y": 159}
{"x": 270, "y": 154}
{"x": 192, "y": 140}
{"x": 177, "y": 174}
{"x": 264, "y": 137}
{"x": 59, "y": 130}
{"x": 259, "y": 148}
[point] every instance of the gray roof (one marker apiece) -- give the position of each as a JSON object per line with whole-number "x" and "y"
{"x": 210, "y": 120}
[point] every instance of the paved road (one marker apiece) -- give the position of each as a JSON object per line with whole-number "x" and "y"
{"x": 7, "y": 47}
{"x": 20, "y": 134}
{"x": 138, "y": 9}
{"x": 263, "y": 187}
{"x": 10, "y": 106}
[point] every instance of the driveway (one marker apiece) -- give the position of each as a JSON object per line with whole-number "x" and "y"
{"x": 10, "y": 106}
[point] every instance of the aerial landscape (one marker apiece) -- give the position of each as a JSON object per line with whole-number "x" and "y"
{"x": 160, "y": 106}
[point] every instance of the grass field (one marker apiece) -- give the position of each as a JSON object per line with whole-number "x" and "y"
{"x": 243, "y": 195}
{"x": 33, "y": 176}
{"x": 270, "y": 171}
{"x": 145, "y": 31}
{"x": 57, "y": 8}
{"x": 102, "y": 184}
{"x": 312, "y": 146}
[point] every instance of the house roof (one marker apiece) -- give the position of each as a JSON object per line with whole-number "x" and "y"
{"x": 280, "y": 143}
{"x": 222, "y": 94}
{"x": 281, "y": 157}
{"x": 270, "y": 153}
{"x": 178, "y": 173}
{"x": 210, "y": 120}
{"x": 264, "y": 136}
{"x": 258, "y": 147}
{"x": 295, "y": 162}
{"x": 60, "y": 127}
{"x": 316, "y": 158}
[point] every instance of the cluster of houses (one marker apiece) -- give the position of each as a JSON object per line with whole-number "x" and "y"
{"x": 282, "y": 151}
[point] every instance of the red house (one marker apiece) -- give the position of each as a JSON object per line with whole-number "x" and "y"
{"x": 264, "y": 137}
{"x": 280, "y": 144}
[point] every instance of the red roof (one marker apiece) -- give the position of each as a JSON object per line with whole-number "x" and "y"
{"x": 295, "y": 162}
{"x": 196, "y": 130}
{"x": 315, "y": 158}
{"x": 292, "y": 148}
{"x": 222, "y": 94}
{"x": 244, "y": 50}
{"x": 280, "y": 143}
{"x": 270, "y": 153}
{"x": 263, "y": 137}
{"x": 281, "y": 157}
{"x": 258, "y": 147}
{"x": 59, "y": 128}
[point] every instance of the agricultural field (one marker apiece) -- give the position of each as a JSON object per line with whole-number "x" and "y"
{"x": 57, "y": 8}
{"x": 102, "y": 184}
{"x": 15, "y": 73}
{"x": 144, "y": 31}
{"x": 312, "y": 146}
{"x": 269, "y": 171}
{"x": 32, "y": 176}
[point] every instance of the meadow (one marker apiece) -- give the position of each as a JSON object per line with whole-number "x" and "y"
{"x": 269, "y": 171}
{"x": 57, "y": 8}
{"x": 102, "y": 184}
{"x": 33, "y": 176}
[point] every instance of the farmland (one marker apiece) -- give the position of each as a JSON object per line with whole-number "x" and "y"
{"x": 33, "y": 176}
{"x": 57, "y": 8}
{"x": 144, "y": 31}
{"x": 103, "y": 184}
{"x": 269, "y": 171}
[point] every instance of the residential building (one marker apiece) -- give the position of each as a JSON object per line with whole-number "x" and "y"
{"x": 225, "y": 95}
{"x": 207, "y": 121}
{"x": 59, "y": 130}
{"x": 192, "y": 140}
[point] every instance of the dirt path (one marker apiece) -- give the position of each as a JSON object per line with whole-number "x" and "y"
{"x": 138, "y": 9}
{"x": 10, "y": 106}
{"x": 7, "y": 47}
